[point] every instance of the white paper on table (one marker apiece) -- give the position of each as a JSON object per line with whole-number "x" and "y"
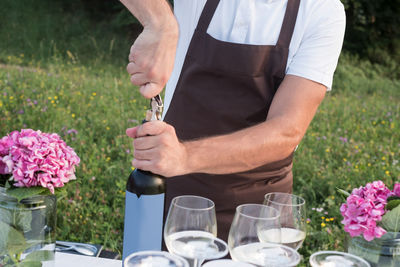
{"x": 68, "y": 260}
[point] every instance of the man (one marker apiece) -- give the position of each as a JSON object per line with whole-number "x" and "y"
{"x": 243, "y": 89}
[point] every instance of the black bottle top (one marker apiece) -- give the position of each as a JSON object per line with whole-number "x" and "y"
{"x": 145, "y": 183}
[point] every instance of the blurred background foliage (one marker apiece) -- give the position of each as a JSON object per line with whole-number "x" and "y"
{"x": 373, "y": 27}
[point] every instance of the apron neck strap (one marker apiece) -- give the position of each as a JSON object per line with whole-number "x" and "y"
{"x": 206, "y": 15}
{"x": 289, "y": 21}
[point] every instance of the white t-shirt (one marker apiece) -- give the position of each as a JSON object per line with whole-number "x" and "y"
{"x": 314, "y": 49}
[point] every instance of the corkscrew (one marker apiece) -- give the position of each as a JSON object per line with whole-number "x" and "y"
{"x": 156, "y": 107}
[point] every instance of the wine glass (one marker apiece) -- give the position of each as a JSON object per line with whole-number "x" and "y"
{"x": 250, "y": 223}
{"x": 292, "y": 211}
{"x": 154, "y": 258}
{"x": 336, "y": 258}
{"x": 191, "y": 228}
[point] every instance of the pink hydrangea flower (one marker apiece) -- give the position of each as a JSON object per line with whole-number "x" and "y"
{"x": 364, "y": 208}
{"x": 37, "y": 159}
{"x": 396, "y": 189}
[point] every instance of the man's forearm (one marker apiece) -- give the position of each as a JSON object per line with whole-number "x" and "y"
{"x": 291, "y": 112}
{"x": 243, "y": 150}
{"x": 152, "y": 13}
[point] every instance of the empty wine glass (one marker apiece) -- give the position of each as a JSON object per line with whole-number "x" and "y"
{"x": 251, "y": 221}
{"x": 336, "y": 259}
{"x": 191, "y": 228}
{"x": 154, "y": 259}
{"x": 292, "y": 210}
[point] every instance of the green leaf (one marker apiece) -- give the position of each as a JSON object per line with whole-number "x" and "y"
{"x": 11, "y": 240}
{"x": 391, "y": 220}
{"x": 19, "y": 218}
{"x": 344, "y": 193}
{"x": 392, "y": 204}
{"x": 30, "y": 264}
{"x": 24, "y": 192}
{"x": 392, "y": 198}
{"x": 40, "y": 255}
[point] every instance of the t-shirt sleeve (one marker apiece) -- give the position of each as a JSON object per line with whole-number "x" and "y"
{"x": 318, "y": 53}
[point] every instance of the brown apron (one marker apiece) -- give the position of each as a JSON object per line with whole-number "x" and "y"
{"x": 225, "y": 87}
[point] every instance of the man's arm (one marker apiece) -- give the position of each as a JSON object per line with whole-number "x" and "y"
{"x": 151, "y": 58}
{"x": 291, "y": 111}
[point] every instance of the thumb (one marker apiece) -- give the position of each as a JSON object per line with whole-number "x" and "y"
{"x": 132, "y": 132}
{"x": 150, "y": 89}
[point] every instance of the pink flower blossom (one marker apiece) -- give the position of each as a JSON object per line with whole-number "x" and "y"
{"x": 37, "y": 159}
{"x": 364, "y": 208}
{"x": 396, "y": 189}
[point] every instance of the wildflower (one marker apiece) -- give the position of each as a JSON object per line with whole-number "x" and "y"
{"x": 72, "y": 131}
{"x": 73, "y": 115}
{"x": 308, "y": 220}
{"x": 343, "y": 139}
{"x": 323, "y": 224}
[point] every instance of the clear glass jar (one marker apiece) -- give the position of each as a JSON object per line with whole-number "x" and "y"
{"x": 382, "y": 252}
{"x": 27, "y": 230}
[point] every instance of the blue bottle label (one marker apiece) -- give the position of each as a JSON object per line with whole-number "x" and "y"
{"x": 143, "y": 223}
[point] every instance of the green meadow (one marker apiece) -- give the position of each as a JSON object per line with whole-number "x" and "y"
{"x": 66, "y": 74}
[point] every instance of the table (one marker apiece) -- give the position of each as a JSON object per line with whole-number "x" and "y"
{"x": 68, "y": 260}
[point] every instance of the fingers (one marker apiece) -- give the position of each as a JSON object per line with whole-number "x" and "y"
{"x": 151, "y": 128}
{"x": 132, "y": 68}
{"x": 145, "y": 165}
{"x": 131, "y": 132}
{"x": 150, "y": 90}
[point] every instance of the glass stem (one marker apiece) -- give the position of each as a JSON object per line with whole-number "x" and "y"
{"x": 197, "y": 262}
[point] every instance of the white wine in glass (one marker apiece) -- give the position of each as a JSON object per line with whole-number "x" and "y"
{"x": 292, "y": 210}
{"x": 191, "y": 229}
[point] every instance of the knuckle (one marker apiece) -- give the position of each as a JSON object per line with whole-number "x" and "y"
{"x": 152, "y": 73}
{"x": 134, "y": 80}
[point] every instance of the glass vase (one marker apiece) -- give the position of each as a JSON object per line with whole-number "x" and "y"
{"x": 27, "y": 230}
{"x": 382, "y": 252}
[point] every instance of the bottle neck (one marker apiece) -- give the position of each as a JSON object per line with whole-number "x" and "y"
{"x": 145, "y": 183}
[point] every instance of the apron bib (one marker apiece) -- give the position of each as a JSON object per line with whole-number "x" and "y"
{"x": 225, "y": 87}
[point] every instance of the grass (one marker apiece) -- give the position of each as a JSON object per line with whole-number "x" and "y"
{"x": 77, "y": 81}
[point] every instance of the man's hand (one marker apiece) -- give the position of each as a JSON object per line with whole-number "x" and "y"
{"x": 151, "y": 58}
{"x": 158, "y": 150}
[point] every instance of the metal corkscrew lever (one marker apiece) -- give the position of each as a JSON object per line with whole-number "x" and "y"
{"x": 156, "y": 106}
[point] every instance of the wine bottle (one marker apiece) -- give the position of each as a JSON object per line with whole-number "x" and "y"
{"x": 144, "y": 205}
